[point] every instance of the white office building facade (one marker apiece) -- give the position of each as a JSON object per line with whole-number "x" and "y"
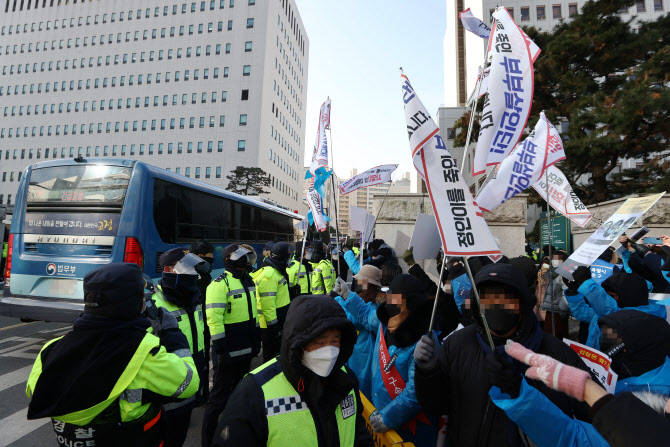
{"x": 197, "y": 88}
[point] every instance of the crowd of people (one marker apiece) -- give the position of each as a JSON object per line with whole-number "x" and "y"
{"x": 486, "y": 369}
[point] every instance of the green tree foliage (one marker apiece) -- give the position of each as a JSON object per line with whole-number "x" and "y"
{"x": 608, "y": 78}
{"x": 248, "y": 181}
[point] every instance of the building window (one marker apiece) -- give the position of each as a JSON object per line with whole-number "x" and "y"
{"x": 208, "y": 172}
{"x": 230, "y": 25}
{"x": 641, "y": 6}
{"x": 245, "y": 95}
{"x": 227, "y": 48}
{"x": 573, "y": 11}
{"x": 246, "y": 70}
{"x": 243, "y": 120}
{"x": 218, "y": 172}
{"x": 247, "y": 47}
{"x": 511, "y": 12}
{"x": 451, "y": 134}
{"x": 250, "y": 23}
{"x": 219, "y": 146}
{"x": 225, "y": 72}
{"x": 188, "y": 172}
{"x": 556, "y": 11}
{"x": 197, "y": 172}
{"x": 541, "y": 14}
{"x": 525, "y": 14}
{"x": 241, "y": 145}
{"x": 222, "y": 120}
{"x": 658, "y": 5}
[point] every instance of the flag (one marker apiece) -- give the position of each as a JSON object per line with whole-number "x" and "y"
{"x": 303, "y": 225}
{"x": 474, "y": 25}
{"x": 462, "y": 227}
{"x": 510, "y": 92}
{"x": 420, "y": 126}
{"x": 561, "y": 196}
{"x": 524, "y": 166}
{"x": 319, "y": 163}
{"x": 316, "y": 215}
{"x": 371, "y": 177}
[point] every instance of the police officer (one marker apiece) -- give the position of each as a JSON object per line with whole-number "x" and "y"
{"x": 179, "y": 295}
{"x": 298, "y": 274}
{"x": 273, "y": 298}
{"x": 322, "y": 269}
{"x": 304, "y": 397}
{"x": 103, "y": 382}
{"x": 232, "y": 316}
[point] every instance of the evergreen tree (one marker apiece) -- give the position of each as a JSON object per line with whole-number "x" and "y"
{"x": 608, "y": 79}
{"x": 248, "y": 181}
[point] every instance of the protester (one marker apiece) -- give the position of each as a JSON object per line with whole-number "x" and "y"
{"x": 605, "y": 266}
{"x": 455, "y": 379}
{"x": 178, "y": 293}
{"x": 273, "y": 298}
{"x": 622, "y": 420}
{"x": 366, "y": 285}
{"x": 107, "y": 378}
{"x": 398, "y": 324}
{"x": 233, "y": 318}
{"x": 554, "y": 304}
{"x": 306, "y": 396}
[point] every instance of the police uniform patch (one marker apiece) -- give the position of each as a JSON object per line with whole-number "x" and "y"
{"x": 348, "y": 406}
{"x": 238, "y": 296}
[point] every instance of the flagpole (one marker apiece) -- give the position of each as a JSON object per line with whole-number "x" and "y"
{"x": 380, "y": 206}
{"x": 473, "y": 110}
{"x": 479, "y": 304}
{"x": 437, "y": 293}
{"x": 551, "y": 266}
{"x": 332, "y": 182}
{"x": 302, "y": 254}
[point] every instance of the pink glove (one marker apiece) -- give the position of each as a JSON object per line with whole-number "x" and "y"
{"x": 551, "y": 372}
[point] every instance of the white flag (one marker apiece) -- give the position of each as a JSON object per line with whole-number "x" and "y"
{"x": 420, "y": 126}
{"x": 474, "y": 25}
{"x": 371, "y": 177}
{"x": 524, "y": 166}
{"x": 561, "y": 196}
{"x": 320, "y": 154}
{"x": 303, "y": 225}
{"x": 510, "y": 92}
{"x": 462, "y": 227}
{"x": 315, "y": 206}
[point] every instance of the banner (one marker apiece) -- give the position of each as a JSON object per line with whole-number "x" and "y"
{"x": 524, "y": 166}
{"x": 320, "y": 154}
{"x": 316, "y": 207}
{"x": 608, "y": 232}
{"x": 420, "y": 126}
{"x": 463, "y": 230}
{"x": 371, "y": 177}
{"x": 474, "y": 25}
{"x": 510, "y": 92}
{"x": 561, "y": 196}
{"x": 598, "y": 362}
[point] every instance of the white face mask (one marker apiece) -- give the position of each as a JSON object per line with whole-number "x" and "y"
{"x": 321, "y": 361}
{"x": 545, "y": 266}
{"x": 556, "y": 262}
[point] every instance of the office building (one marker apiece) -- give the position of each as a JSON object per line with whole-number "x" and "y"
{"x": 195, "y": 87}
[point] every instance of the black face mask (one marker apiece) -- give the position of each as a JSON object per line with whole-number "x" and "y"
{"x": 392, "y": 310}
{"x": 186, "y": 284}
{"x": 241, "y": 263}
{"x": 501, "y": 321}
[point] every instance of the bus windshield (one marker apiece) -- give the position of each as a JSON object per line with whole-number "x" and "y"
{"x": 80, "y": 184}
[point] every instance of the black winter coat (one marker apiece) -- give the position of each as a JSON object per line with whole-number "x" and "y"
{"x": 244, "y": 419}
{"x": 459, "y": 387}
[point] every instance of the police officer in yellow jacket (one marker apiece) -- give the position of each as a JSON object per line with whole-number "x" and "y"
{"x": 273, "y": 298}
{"x": 104, "y": 382}
{"x": 232, "y": 316}
{"x": 179, "y": 295}
{"x": 322, "y": 269}
{"x": 299, "y": 274}
{"x": 305, "y": 397}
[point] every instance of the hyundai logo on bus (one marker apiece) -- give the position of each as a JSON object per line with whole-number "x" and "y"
{"x": 62, "y": 270}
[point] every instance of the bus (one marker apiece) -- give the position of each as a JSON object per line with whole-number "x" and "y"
{"x": 71, "y": 216}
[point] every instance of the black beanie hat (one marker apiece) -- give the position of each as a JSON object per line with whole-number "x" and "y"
{"x": 114, "y": 291}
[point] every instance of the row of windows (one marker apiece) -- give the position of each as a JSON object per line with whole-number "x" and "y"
{"x": 284, "y": 144}
{"x": 84, "y": 41}
{"x": 134, "y": 126}
{"x": 96, "y": 83}
{"x": 294, "y": 24}
{"x": 96, "y": 19}
{"x": 77, "y": 106}
{"x": 278, "y": 161}
{"x": 123, "y": 58}
{"x": 573, "y": 10}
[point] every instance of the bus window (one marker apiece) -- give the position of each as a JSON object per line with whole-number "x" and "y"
{"x": 78, "y": 185}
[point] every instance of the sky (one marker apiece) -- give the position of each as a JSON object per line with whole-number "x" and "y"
{"x": 356, "y": 48}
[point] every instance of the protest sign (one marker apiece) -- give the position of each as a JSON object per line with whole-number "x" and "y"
{"x": 510, "y": 92}
{"x": 599, "y": 363}
{"x": 561, "y": 196}
{"x": 371, "y": 177}
{"x": 361, "y": 220}
{"x": 474, "y": 25}
{"x": 524, "y": 166}
{"x": 426, "y": 240}
{"x": 608, "y": 232}
{"x": 462, "y": 227}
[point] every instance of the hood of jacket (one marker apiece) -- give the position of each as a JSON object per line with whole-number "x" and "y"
{"x": 631, "y": 288}
{"x": 645, "y": 339}
{"x": 417, "y": 322}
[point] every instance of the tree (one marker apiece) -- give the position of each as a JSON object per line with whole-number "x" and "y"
{"x": 248, "y": 181}
{"x": 608, "y": 79}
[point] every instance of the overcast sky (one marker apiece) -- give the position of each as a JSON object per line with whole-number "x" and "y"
{"x": 356, "y": 49}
